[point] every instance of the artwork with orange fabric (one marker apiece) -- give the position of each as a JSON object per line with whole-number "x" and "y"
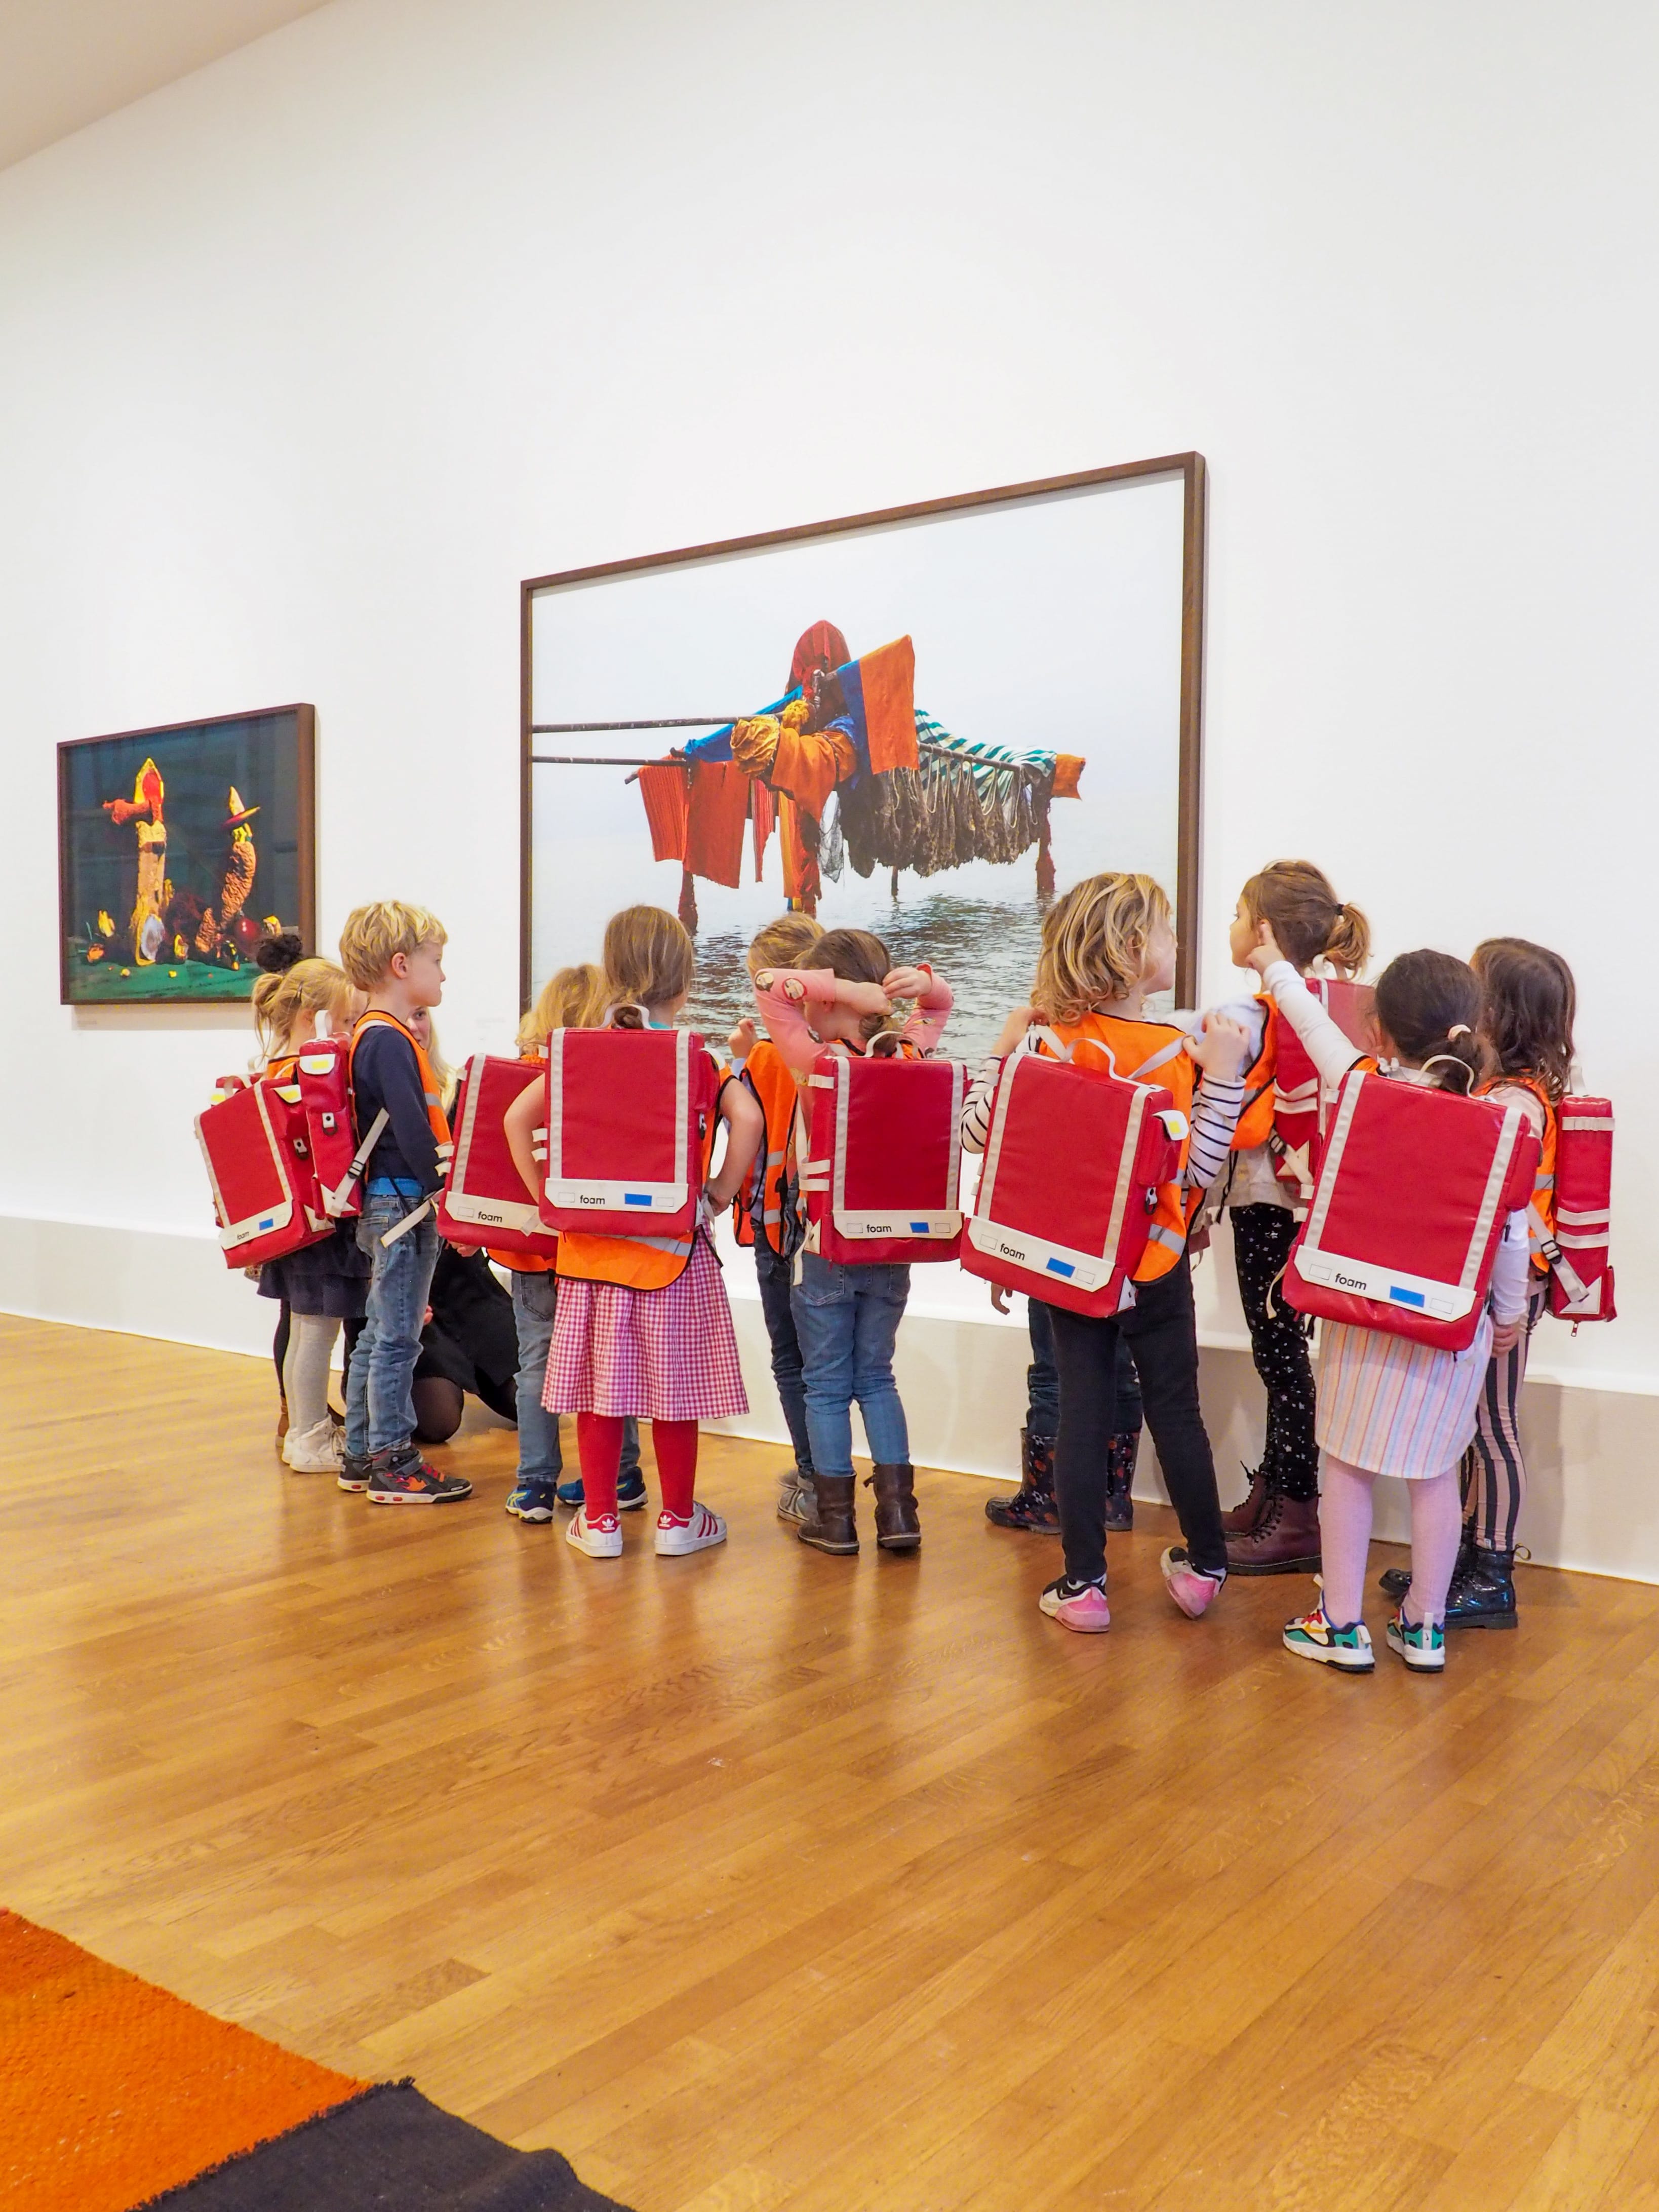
{"x": 920, "y": 723}
{"x": 179, "y": 848}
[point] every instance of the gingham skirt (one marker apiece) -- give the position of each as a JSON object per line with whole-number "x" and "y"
{"x": 664, "y": 1355}
{"x": 1394, "y": 1407}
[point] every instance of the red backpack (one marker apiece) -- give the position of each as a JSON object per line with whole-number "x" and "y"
{"x": 484, "y": 1201}
{"x": 884, "y": 1158}
{"x": 628, "y": 1114}
{"x": 1303, "y": 1105}
{"x": 322, "y": 1074}
{"x": 1073, "y": 1162}
{"x": 1581, "y": 1272}
{"x": 1412, "y": 1194}
{"x": 257, "y": 1152}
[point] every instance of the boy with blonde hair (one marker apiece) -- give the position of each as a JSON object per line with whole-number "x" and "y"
{"x": 394, "y": 954}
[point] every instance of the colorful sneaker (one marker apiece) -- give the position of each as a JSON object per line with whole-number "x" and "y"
{"x": 1081, "y": 1606}
{"x": 795, "y": 1499}
{"x": 402, "y": 1477}
{"x": 1421, "y": 1644}
{"x": 1194, "y": 1588}
{"x": 700, "y": 1529}
{"x": 354, "y": 1471}
{"x": 601, "y": 1540}
{"x": 1316, "y": 1636}
{"x": 630, "y": 1492}
{"x": 315, "y": 1451}
{"x": 532, "y": 1501}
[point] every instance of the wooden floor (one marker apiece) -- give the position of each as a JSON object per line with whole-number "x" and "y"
{"x": 763, "y": 1879}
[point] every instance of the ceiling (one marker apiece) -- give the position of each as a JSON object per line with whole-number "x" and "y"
{"x": 64, "y": 62}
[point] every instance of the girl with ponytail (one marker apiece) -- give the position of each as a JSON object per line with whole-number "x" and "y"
{"x": 1387, "y": 1404}
{"x": 1276, "y": 1530}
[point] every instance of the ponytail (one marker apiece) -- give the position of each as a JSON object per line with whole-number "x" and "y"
{"x": 1348, "y": 947}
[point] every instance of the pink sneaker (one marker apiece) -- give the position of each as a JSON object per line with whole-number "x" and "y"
{"x": 1193, "y": 1590}
{"x": 1081, "y": 1606}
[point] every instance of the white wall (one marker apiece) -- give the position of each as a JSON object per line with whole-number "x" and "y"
{"x": 305, "y": 360}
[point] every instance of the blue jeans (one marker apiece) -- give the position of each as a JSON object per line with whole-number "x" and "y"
{"x": 773, "y": 1275}
{"x": 380, "y": 1394}
{"x": 1042, "y": 1381}
{"x": 539, "y": 1457}
{"x": 847, "y": 1320}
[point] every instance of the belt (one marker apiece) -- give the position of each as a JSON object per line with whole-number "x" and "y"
{"x": 393, "y": 1186}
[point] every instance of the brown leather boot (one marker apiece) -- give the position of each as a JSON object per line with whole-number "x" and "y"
{"x": 1284, "y": 1542}
{"x": 281, "y": 1419}
{"x": 898, "y": 1528}
{"x": 1239, "y": 1519}
{"x": 1120, "y": 1476}
{"x": 831, "y": 1528}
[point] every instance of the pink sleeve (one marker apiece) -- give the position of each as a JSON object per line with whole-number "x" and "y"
{"x": 927, "y": 1025}
{"x": 786, "y": 1018}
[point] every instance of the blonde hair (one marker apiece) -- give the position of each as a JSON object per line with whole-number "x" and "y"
{"x": 574, "y": 998}
{"x": 648, "y": 957}
{"x": 309, "y": 986}
{"x": 1094, "y": 944}
{"x": 782, "y": 943}
{"x": 1307, "y": 918}
{"x": 374, "y": 935}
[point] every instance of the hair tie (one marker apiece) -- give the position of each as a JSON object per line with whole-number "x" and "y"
{"x": 1462, "y": 1029}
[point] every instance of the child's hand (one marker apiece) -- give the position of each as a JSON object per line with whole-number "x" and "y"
{"x": 1019, "y": 1020}
{"x": 909, "y": 983}
{"x": 1221, "y": 1047}
{"x": 1266, "y": 950}
{"x": 741, "y": 1042}
{"x": 862, "y": 998}
{"x": 1507, "y": 1334}
{"x": 999, "y": 1297}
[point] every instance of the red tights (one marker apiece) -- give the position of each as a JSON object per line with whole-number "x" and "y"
{"x": 599, "y": 1441}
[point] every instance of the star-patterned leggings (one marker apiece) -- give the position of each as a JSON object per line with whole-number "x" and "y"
{"x": 1263, "y": 1237}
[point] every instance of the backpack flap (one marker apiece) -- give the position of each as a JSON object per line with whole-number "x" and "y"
{"x": 484, "y": 1200}
{"x": 627, "y": 1110}
{"x": 885, "y": 1158}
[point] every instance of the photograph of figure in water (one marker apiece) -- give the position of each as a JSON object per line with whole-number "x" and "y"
{"x": 179, "y": 848}
{"x": 916, "y": 724}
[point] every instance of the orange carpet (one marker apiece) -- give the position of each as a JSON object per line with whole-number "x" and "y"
{"x": 112, "y": 2091}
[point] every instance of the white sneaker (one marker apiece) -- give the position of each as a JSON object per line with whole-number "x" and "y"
{"x": 601, "y": 1540}
{"x": 316, "y": 1450}
{"x": 676, "y": 1538}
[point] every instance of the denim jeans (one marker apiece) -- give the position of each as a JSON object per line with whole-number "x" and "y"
{"x": 777, "y": 1304}
{"x": 1042, "y": 1381}
{"x": 539, "y": 1457}
{"x": 379, "y": 1398}
{"x": 847, "y": 1320}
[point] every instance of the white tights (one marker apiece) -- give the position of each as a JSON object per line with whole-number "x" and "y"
{"x": 1345, "y": 1537}
{"x": 305, "y": 1369}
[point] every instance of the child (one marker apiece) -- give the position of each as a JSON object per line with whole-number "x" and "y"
{"x": 1107, "y": 947}
{"x": 641, "y": 1326}
{"x": 1276, "y": 1530}
{"x": 325, "y": 1283}
{"x": 765, "y": 1221}
{"x": 574, "y": 998}
{"x": 394, "y": 954}
{"x": 847, "y": 1318}
{"x": 1527, "y": 1004}
{"x": 1388, "y": 1406}
{"x": 1032, "y": 1506}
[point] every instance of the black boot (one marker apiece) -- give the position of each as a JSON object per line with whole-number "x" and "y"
{"x": 1120, "y": 1476}
{"x": 1394, "y": 1582}
{"x": 898, "y": 1528}
{"x": 1031, "y": 1507}
{"x": 1482, "y": 1594}
{"x": 832, "y": 1528}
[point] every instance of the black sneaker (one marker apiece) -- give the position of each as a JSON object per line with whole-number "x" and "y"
{"x": 354, "y": 1470}
{"x": 402, "y": 1477}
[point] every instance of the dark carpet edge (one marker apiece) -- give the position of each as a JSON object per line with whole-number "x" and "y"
{"x": 284, "y": 2134}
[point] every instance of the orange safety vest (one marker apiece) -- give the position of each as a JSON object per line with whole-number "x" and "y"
{"x": 1132, "y": 1045}
{"x": 527, "y": 1263}
{"x": 431, "y": 1090}
{"x": 636, "y": 1263}
{"x": 1540, "y": 1231}
{"x": 769, "y": 1076}
{"x": 1255, "y": 1117}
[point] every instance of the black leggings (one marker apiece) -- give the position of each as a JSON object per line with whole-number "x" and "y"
{"x": 1263, "y": 1237}
{"x": 1163, "y": 1335}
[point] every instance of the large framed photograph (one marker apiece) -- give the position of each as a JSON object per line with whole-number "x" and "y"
{"x": 918, "y": 721}
{"x": 177, "y": 849}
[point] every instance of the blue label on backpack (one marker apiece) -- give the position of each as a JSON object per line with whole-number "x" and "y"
{"x": 918, "y": 1228}
{"x": 270, "y": 1223}
{"x": 636, "y": 1198}
{"x": 1060, "y": 1267}
{"x": 1406, "y": 1298}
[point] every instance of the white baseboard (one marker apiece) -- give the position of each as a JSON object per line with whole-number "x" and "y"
{"x": 1592, "y": 1505}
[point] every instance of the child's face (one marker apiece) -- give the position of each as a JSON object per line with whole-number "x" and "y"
{"x": 1157, "y": 965}
{"x": 1241, "y": 937}
{"x": 420, "y": 1026}
{"x": 423, "y": 973}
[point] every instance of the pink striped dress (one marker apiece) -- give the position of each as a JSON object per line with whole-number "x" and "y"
{"x": 1394, "y": 1407}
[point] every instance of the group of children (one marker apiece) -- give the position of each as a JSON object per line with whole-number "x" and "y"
{"x": 614, "y": 1329}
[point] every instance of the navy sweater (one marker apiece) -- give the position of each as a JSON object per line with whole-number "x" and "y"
{"x": 385, "y": 1072}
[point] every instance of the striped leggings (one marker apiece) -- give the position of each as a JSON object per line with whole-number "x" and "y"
{"x": 1493, "y": 1474}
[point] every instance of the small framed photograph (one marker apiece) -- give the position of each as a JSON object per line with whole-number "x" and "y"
{"x": 179, "y": 848}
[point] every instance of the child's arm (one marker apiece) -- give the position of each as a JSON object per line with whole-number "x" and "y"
{"x": 745, "y": 1128}
{"x": 1220, "y": 1047}
{"x": 1511, "y": 1273}
{"x": 1013, "y": 1037}
{"x": 1332, "y": 1054}
{"x": 931, "y": 995}
{"x": 518, "y": 1124}
{"x": 786, "y": 998}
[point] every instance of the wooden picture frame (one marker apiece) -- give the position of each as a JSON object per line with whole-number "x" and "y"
{"x": 195, "y": 878}
{"x": 1190, "y": 467}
